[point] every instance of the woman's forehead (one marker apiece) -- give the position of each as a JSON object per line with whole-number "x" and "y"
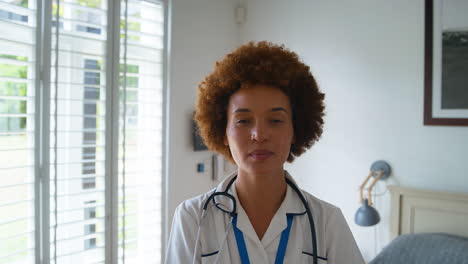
{"x": 259, "y": 98}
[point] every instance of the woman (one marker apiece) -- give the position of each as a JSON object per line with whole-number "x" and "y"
{"x": 260, "y": 108}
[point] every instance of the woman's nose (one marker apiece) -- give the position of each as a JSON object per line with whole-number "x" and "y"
{"x": 259, "y": 133}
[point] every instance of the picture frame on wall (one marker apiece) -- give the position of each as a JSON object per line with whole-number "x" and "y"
{"x": 446, "y": 63}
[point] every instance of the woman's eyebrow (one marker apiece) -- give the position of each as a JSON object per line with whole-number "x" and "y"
{"x": 242, "y": 110}
{"x": 277, "y": 109}
{"x": 274, "y": 109}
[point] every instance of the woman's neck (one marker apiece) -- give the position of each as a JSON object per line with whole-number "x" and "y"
{"x": 260, "y": 197}
{"x": 264, "y": 188}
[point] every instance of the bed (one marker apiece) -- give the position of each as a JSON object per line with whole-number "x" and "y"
{"x": 427, "y": 227}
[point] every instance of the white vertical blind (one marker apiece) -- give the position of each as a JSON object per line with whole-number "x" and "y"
{"x": 77, "y": 128}
{"x": 17, "y": 101}
{"x": 140, "y": 144}
{"x": 76, "y": 150}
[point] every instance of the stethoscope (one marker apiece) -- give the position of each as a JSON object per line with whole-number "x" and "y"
{"x": 233, "y": 214}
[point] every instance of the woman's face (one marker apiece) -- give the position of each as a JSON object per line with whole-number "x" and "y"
{"x": 259, "y": 129}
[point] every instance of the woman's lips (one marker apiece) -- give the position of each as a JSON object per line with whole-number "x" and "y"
{"x": 261, "y": 154}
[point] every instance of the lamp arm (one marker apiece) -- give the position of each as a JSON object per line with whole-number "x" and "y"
{"x": 369, "y": 190}
{"x": 361, "y": 189}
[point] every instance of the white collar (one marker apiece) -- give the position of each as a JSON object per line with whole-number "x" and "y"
{"x": 291, "y": 204}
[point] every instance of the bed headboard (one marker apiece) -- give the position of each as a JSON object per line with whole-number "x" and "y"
{"x": 421, "y": 211}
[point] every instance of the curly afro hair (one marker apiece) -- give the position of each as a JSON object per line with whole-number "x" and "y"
{"x": 267, "y": 64}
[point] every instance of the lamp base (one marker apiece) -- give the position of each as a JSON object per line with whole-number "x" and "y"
{"x": 381, "y": 165}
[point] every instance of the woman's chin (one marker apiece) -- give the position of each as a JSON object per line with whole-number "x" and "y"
{"x": 262, "y": 168}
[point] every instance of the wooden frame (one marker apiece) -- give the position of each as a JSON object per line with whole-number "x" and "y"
{"x": 429, "y": 117}
{"x": 422, "y": 211}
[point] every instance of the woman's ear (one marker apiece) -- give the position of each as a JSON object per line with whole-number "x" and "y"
{"x": 225, "y": 141}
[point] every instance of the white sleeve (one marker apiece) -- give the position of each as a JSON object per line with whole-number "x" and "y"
{"x": 341, "y": 246}
{"x": 181, "y": 242}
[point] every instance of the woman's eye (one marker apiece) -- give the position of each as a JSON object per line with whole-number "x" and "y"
{"x": 242, "y": 121}
{"x": 276, "y": 121}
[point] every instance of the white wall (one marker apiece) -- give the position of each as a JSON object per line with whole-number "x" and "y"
{"x": 202, "y": 31}
{"x": 368, "y": 58}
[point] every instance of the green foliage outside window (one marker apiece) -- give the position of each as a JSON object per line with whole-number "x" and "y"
{"x": 132, "y": 96}
{"x": 130, "y": 68}
{"x": 54, "y": 10}
{"x": 130, "y": 37}
{"x": 23, "y": 3}
{"x": 12, "y": 124}
{"x": 90, "y": 3}
{"x": 135, "y": 26}
{"x": 132, "y": 26}
{"x": 12, "y": 106}
{"x": 132, "y": 82}
{"x": 14, "y": 71}
{"x": 13, "y": 57}
{"x": 11, "y": 88}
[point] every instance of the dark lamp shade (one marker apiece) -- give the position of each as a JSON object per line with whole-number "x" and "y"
{"x": 366, "y": 215}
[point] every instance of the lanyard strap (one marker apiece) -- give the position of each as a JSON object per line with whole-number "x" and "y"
{"x": 280, "y": 253}
{"x": 244, "y": 256}
{"x": 283, "y": 244}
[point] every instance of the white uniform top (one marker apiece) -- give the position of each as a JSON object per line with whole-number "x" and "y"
{"x": 335, "y": 242}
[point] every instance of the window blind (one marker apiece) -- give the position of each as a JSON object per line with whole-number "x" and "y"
{"x": 81, "y": 80}
{"x": 77, "y": 131}
{"x": 54, "y": 148}
{"x": 140, "y": 119}
{"x": 17, "y": 103}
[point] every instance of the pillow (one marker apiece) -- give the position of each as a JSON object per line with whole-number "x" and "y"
{"x": 425, "y": 248}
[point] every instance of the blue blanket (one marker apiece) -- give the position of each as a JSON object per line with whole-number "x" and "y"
{"x": 425, "y": 248}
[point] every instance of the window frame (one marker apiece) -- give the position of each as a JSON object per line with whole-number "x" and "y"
{"x": 43, "y": 85}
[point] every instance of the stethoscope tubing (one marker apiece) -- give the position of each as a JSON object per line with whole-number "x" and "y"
{"x": 234, "y": 212}
{"x": 311, "y": 219}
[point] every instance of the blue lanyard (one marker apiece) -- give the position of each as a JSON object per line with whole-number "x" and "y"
{"x": 280, "y": 253}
